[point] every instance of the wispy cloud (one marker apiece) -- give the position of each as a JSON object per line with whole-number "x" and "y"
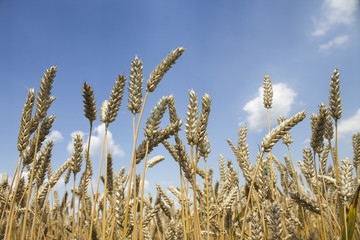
{"x": 282, "y": 101}
{"x": 334, "y": 13}
{"x": 54, "y": 136}
{"x": 97, "y": 140}
{"x": 350, "y": 125}
{"x": 336, "y": 42}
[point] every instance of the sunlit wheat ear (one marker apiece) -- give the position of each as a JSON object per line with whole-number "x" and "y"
{"x": 356, "y": 149}
{"x": 291, "y": 223}
{"x": 43, "y": 100}
{"x": 170, "y": 231}
{"x": 63, "y": 201}
{"x": 171, "y": 150}
{"x": 167, "y": 199}
{"x": 204, "y": 146}
{"x": 20, "y": 191}
{"x": 257, "y": 232}
{"x": 306, "y": 202}
{"x": 184, "y": 159}
{"x": 268, "y": 92}
{"x": 274, "y": 214}
{"x": 104, "y": 112}
{"x": 324, "y": 158}
{"x": 231, "y": 175}
{"x": 157, "y": 113}
{"x": 45, "y": 127}
{"x": 148, "y": 217}
{"x": 135, "y": 86}
{"x": 286, "y": 139}
{"x": 229, "y": 200}
{"x": 222, "y": 169}
{"x": 277, "y": 133}
{"x": 88, "y": 163}
{"x": 318, "y": 122}
{"x": 110, "y": 174}
{"x": 334, "y": 96}
{"x": 289, "y": 167}
{"x": 175, "y": 191}
{"x": 119, "y": 202}
{"x": 162, "y": 68}
{"x": 77, "y": 154}
{"x": 54, "y": 178}
{"x": 242, "y": 154}
{"x": 263, "y": 180}
{"x": 155, "y": 160}
{"x": 200, "y": 172}
{"x": 25, "y": 125}
{"x": 172, "y": 109}
{"x": 43, "y": 162}
{"x": 346, "y": 179}
{"x": 83, "y": 183}
{"x": 156, "y": 139}
{"x": 115, "y": 100}
{"x": 68, "y": 174}
{"x": 329, "y": 129}
{"x": 204, "y": 117}
{"x": 307, "y": 167}
{"x": 192, "y": 121}
{"x": 89, "y": 102}
{"x": 4, "y": 184}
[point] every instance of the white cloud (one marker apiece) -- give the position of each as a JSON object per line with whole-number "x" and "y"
{"x": 283, "y": 99}
{"x": 146, "y": 185}
{"x": 97, "y": 141}
{"x": 338, "y": 41}
{"x": 334, "y": 13}
{"x": 350, "y": 125}
{"x": 25, "y": 175}
{"x": 55, "y": 136}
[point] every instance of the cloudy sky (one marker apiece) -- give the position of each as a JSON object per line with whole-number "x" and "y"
{"x": 230, "y": 47}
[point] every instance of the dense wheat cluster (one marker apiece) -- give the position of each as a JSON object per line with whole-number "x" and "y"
{"x": 276, "y": 201}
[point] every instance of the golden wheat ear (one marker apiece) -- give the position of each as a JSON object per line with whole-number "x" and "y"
{"x": 348, "y": 231}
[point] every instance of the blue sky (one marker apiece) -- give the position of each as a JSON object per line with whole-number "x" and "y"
{"x": 230, "y": 47}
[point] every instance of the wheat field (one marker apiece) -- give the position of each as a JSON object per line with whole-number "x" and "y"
{"x": 276, "y": 201}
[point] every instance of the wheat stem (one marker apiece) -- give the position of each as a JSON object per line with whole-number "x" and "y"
{"x": 142, "y": 191}
{"x": 96, "y": 193}
{"x": 30, "y": 187}
{"x": 250, "y": 191}
{"x": 133, "y": 162}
